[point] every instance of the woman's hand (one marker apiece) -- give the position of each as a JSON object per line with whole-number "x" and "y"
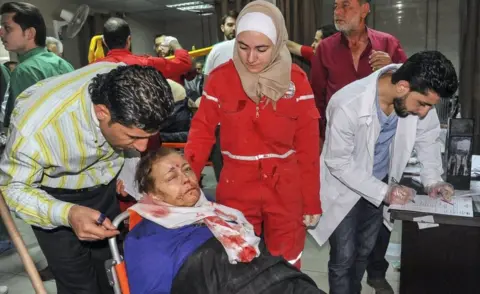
{"x": 121, "y": 188}
{"x": 311, "y": 220}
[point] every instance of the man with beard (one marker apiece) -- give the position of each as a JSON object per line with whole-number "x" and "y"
{"x": 228, "y": 25}
{"x": 373, "y": 125}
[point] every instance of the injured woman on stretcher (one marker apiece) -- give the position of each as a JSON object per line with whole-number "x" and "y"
{"x": 187, "y": 244}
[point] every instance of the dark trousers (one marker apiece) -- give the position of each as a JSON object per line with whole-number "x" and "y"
{"x": 377, "y": 264}
{"x": 216, "y": 155}
{"x": 350, "y": 246}
{"x": 78, "y": 266}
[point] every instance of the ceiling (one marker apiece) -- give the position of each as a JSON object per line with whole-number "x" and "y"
{"x": 146, "y": 9}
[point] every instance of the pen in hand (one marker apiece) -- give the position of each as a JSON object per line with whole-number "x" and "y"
{"x": 444, "y": 199}
{"x": 396, "y": 182}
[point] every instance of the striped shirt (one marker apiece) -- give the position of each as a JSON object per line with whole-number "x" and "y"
{"x": 55, "y": 141}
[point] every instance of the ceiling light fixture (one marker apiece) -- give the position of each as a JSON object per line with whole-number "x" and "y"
{"x": 193, "y": 6}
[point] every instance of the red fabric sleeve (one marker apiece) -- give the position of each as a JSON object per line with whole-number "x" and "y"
{"x": 175, "y": 67}
{"x": 307, "y": 52}
{"x": 307, "y": 147}
{"x": 318, "y": 79}
{"x": 201, "y": 136}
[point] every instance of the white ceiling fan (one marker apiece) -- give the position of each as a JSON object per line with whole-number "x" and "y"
{"x": 73, "y": 21}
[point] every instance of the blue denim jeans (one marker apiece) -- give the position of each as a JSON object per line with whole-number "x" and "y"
{"x": 350, "y": 245}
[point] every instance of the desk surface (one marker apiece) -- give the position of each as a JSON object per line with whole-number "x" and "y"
{"x": 405, "y": 215}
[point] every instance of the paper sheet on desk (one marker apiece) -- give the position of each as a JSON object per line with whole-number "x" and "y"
{"x": 127, "y": 175}
{"x": 462, "y": 206}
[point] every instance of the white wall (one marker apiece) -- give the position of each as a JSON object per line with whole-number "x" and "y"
{"x": 190, "y": 33}
{"x": 143, "y": 32}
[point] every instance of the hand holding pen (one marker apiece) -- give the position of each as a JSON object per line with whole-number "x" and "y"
{"x": 399, "y": 194}
{"x": 441, "y": 190}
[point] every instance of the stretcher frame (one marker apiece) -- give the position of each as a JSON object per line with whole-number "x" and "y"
{"x": 115, "y": 267}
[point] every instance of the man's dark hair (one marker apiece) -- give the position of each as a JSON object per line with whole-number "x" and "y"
{"x": 428, "y": 71}
{"x": 327, "y": 30}
{"x": 143, "y": 175}
{"x": 27, "y": 16}
{"x": 136, "y": 96}
{"x": 232, "y": 13}
{"x": 115, "y": 33}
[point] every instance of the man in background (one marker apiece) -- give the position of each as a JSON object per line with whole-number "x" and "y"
{"x": 194, "y": 87}
{"x": 228, "y": 25}
{"x": 23, "y": 32}
{"x": 162, "y": 49}
{"x": 223, "y": 51}
{"x": 341, "y": 59}
{"x": 117, "y": 37}
{"x": 308, "y": 52}
{"x": 54, "y": 46}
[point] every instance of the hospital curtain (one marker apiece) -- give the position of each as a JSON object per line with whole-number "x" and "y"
{"x": 302, "y": 18}
{"x": 469, "y": 92}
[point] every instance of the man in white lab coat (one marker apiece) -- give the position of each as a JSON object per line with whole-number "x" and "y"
{"x": 373, "y": 126}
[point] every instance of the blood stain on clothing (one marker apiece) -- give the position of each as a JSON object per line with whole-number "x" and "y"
{"x": 158, "y": 211}
{"x": 226, "y": 215}
{"x": 247, "y": 254}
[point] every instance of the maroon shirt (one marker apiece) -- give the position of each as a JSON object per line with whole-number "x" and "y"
{"x": 332, "y": 65}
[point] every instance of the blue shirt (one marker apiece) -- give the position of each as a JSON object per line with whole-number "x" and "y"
{"x": 154, "y": 254}
{"x": 388, "y": 128}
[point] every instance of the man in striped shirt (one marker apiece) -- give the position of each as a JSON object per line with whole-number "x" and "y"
{"x": 60, "y": 164}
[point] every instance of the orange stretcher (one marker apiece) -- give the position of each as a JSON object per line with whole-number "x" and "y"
{"x": 115, "y": 267}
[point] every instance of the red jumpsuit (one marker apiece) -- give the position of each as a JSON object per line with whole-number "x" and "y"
{"x": 271, "y": 158}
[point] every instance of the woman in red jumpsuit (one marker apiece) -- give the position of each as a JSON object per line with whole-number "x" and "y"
{"x": 268, "y": 134}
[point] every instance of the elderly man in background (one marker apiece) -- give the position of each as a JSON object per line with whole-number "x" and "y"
{"x": 54, "y": 46}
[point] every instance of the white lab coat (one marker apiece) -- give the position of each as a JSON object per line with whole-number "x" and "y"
{"x": 346, "y": 163}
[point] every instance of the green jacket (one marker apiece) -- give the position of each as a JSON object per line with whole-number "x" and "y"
{"x": 35, "y": 65}
{"x": 4, "y": 80}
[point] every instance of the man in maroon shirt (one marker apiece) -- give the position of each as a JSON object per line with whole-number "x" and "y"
{"x": 116, "y": 36}
{"x": 354, "y": 53}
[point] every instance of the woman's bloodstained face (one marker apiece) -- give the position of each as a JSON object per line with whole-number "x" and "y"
{"x": 175, "y": 182}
